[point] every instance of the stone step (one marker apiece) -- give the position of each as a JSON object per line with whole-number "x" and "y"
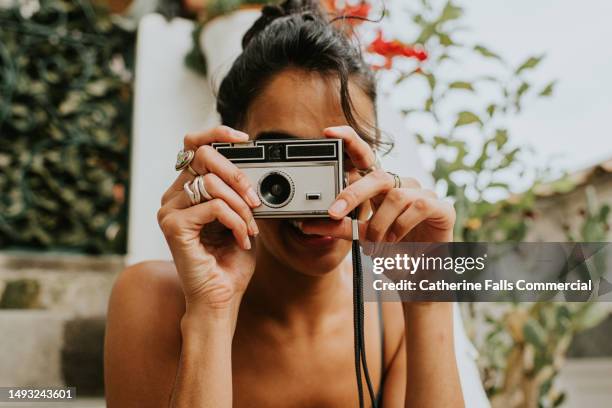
{"x": 71, "y": 284}
{"x": 59, "y": 340}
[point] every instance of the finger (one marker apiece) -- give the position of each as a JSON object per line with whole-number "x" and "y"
{"x": 176, "y": 202}
{"x": 367, "y": 187}
{"x": 217, "y": 134}
{"x": 194, "y": 140}
{"x": 358, "y": 150}
{"x": 218, "y": 210}
{"x": 407, "y": 182}
{"x": 410, "y": 182}
{"x": 176, "y": 188}
{"x": 342, "y": 229}
{"x": 219, "y": 189}
{"x": 209, "y": 160}
{"x": 440, "y": 214}
{"x": 395, "y": 203}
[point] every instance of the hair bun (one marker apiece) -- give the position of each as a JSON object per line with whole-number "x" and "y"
{"x": 310, "y": 9}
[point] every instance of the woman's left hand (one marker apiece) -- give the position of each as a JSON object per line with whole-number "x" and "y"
{"x": 408, "y": 213}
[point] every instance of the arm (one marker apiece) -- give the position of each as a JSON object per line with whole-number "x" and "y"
{"x": 433, "y": 377}
{"x": 403, "y": 212}
{"x": 422, "y": 371}
{"x": 155, "y": 358}
{"x": 175, "y": 349}
{"x": 204, "y": 377}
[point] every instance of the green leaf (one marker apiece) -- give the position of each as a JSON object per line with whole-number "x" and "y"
{"x": 548, "y": 89}
{"x": 491, "y": 109}
{"x": 485, "y": 52}
{"x": 450, "y": 12}
{"x": 590, "y": 316}
{"x": 445, "y": 40}
{"x": 431, "y": 80}
{"x": 427, "y": 32}
{"x": 522, "y": 89}
{"x": 534, "y": 334}
{"x": 530, "y": 63}
{"x": 501, "y": 137}
{"x": 461, "y": 85}
{"x": 467, "y": 118}
{"x": 428, "y": 104}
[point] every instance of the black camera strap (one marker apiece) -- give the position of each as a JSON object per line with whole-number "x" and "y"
{"x": 358, "y": 318}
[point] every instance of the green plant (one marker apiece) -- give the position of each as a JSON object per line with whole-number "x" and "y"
{"x": 64, "y": 126}
{"x": 526, "y": 345}
{"x": 475, "y": 159}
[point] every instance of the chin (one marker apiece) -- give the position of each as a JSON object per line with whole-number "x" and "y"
{"x": 309, "y": 254}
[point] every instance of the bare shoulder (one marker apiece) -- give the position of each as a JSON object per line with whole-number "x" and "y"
{"x": 143, "y": 336}
{"x": 147, "y": 296}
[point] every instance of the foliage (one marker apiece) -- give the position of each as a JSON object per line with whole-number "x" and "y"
{"x": 526, "y": 346}
{"x": 64, "y": 126}
{"x": 526, "y": 343}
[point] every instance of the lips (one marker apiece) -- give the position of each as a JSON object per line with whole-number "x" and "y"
{"x": 296, "y": 232}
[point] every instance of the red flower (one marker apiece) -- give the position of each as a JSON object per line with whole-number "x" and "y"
{"x": 360, "y": 11}
{"x": 394, "y": 48}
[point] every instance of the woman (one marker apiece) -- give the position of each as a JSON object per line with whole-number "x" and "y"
{"x": 257, "y": 313}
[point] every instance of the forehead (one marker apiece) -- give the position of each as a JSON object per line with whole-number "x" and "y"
{"x": 302, "y": 104}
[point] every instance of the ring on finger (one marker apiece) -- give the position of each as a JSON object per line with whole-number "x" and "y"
{"x": 397, "y": 181}
{"x": 183, "y": 161}
{"x": 191, "y": 194}
{"x": 199, "y": 185}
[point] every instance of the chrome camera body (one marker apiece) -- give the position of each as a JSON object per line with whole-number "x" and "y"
{"x": 294, "y": 178}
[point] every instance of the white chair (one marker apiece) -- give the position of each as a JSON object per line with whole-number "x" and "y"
{"x": 170, "y": 101}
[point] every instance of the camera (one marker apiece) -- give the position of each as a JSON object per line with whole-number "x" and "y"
{"x": 294, "y": 178}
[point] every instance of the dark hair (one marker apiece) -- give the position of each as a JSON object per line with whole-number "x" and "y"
{"x": 295, "y": 34}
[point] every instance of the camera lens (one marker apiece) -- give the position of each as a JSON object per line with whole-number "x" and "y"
{"x": 276, "y": 189}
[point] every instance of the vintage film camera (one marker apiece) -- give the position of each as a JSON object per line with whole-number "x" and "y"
{"x": 294, "y": 178}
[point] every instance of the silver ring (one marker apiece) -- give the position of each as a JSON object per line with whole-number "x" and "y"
{"x": 397, "y": 180}
{"x": 196, "y": 192}
{"x": 199, "y": 185}
{"x": 190, "y": 194}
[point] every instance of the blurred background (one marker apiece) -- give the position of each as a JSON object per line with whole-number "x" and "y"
{"x": 505, "y": 105}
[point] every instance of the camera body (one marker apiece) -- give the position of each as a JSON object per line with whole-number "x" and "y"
{"x": 294, "y": 178}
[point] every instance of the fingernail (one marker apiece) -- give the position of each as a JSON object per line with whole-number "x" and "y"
{"x": 391, "y": 237}
{"x": 253, "y": 198}
{"x": 247, "y": 243}
{"x": 253, "y": 227}
{"x": 338, "y": 207}
{"x": 241, "y": 134}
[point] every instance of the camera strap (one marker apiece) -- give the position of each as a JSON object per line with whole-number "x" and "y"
{"x": 358, "y": 318}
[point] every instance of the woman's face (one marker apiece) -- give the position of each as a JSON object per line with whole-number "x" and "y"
{"x": 300, "y": 104}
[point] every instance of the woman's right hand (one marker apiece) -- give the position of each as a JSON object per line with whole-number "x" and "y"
{"x": 210, "y": 241}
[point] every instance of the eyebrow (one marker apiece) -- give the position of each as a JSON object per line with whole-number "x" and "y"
{"x": 272, "y": 135}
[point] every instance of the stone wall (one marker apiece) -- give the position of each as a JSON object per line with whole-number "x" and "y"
{"x": 46, "y": 345}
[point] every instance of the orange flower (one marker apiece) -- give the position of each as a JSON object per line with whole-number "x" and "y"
{"x": 394, "y": 48}
{"x": 359, "y": 11}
